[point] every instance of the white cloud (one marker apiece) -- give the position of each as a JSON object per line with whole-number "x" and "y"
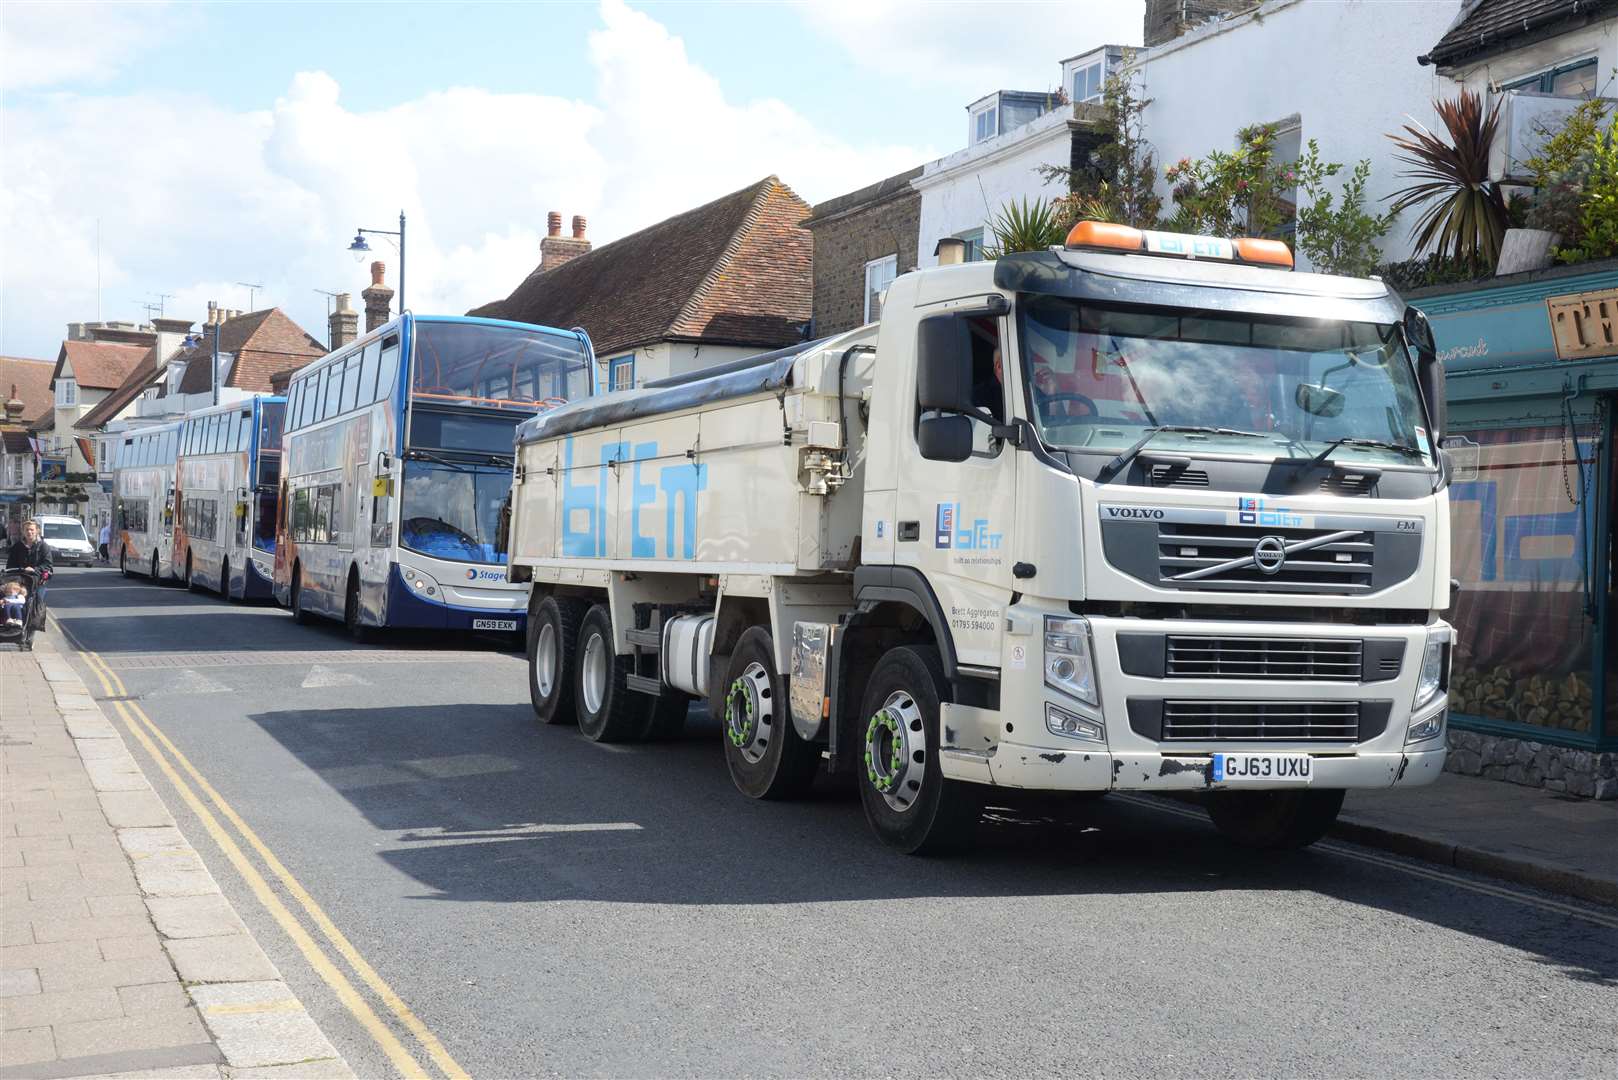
{"x": 194, "y": 197}
{"x": 971, "y": 48}
{"x": 49, "y": 44}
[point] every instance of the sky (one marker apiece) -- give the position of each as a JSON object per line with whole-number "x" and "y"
{"x": 216, "y": 144}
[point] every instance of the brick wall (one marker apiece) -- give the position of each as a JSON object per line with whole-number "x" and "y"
{"x": 846, "y": 239}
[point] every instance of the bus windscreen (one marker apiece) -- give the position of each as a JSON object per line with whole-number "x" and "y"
{"x": 499, "y": 366}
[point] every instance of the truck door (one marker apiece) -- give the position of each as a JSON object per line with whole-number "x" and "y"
{"x": 954, "y": 519}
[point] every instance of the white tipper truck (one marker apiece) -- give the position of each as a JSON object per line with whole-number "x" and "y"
{"x": 1143, "y": 512}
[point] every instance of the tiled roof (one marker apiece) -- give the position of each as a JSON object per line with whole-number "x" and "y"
{"x": 108, "y": 408}
{"x": 263, "y": 343}
{"x": 33, "y": 381}
{"x": 98, "y": 365}
{"x": 1485, "y": 27}
{"x": 736, "y": 271}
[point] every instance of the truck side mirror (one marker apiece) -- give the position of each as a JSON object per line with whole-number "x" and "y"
{"x": 1429, "y": 369}
{"x": 945, "y": 438}
{"x": 944, "y": 366}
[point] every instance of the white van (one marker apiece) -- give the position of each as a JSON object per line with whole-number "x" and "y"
{"x": 69, "y": 544}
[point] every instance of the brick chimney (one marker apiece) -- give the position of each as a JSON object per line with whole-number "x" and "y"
{"x": 557, "y": 249}
{"x": 377, "y": 296}
{"x": 171, "y": 335}
{"x": 343, "y": 324}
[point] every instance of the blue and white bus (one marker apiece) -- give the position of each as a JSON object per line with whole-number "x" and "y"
{"x": 227, "y": 481}
{"x": 143, "y": 501}
{"x": 397, "y": 465}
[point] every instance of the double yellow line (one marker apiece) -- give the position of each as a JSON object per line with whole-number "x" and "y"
{"x": 151, "y": 736}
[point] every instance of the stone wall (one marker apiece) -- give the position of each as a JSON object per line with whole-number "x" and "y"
{"x": 1589, "y": 773}
{"x": 848, "y": 238}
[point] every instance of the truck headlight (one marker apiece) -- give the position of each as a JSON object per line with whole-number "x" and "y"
{"x": 1434, "y": 664}
{"x": 1072, "y": 726}
{"x": 1067, "y": 657}
{"x": 1430, "y": 728}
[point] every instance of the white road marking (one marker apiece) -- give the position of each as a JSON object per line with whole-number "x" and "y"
{"x": 191, "y": 682}
{"x": 441, "y": 837}
{"x": 320, "y": 675}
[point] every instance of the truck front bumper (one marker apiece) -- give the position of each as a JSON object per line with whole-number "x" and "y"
{"x": 1013, "y": 747}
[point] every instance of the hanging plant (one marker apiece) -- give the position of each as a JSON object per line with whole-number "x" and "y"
{"x": 1464, "y": 211}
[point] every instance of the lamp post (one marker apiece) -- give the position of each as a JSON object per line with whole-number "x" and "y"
{"x": 361, "y": 249}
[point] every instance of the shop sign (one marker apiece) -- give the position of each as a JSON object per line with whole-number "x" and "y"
{"x": 1585, "y": 325}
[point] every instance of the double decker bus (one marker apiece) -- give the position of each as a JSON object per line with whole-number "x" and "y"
{"x": 143, "y": 506}
{"x": 227, "y": 480}
{"x": 397, "y": 466}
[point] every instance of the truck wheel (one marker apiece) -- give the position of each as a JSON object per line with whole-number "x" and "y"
{"x": 553, "y": 637}
{"x": 908, "y": 802}
{"x": 766, "y": 756}
{"x": 1274, "y": 820}
{"x": 607, "y": 709}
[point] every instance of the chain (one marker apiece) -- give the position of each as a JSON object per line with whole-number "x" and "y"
{"x": 1586, "y": 478}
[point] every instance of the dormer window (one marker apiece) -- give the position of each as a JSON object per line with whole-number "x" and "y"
{"x": 67, "y": 393}
{"x": 985, "y": 124}
{"x": 1087, "y": 83}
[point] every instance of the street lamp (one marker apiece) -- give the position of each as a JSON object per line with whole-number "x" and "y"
{"x": 361, "y": 249}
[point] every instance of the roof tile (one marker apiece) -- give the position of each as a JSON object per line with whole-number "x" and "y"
{"x": 32, "y": 379}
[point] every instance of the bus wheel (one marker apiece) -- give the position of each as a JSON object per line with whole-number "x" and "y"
{"x": 190, "y": 581}
{"x": 1274, "y": 820}
{"x": 908, "y": 802}
{"x": 123, "y": 561}
{"x": 299, "y": 615}
{"x": 224, "y": 581}
{"x": 766, "y": 756}
{"x": 553, "y": 637}
{"x": 351, "y": 610}
{"x": 607, "y": 709}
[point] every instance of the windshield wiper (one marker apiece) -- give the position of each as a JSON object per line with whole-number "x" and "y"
{"x": 415, "y": 454}
{"x": 1372, "y": 444}
{"x": 1111, "y": 468}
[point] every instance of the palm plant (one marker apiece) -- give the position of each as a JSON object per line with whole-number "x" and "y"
{"x": 1464, "y": 212}
{"x": 1025, "y": 226}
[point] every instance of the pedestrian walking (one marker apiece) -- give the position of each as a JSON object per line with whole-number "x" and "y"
{"x": 104, "y": 539}
{"x": 34, "y": 555}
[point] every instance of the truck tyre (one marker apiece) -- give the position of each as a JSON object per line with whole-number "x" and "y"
{"x": 553, "y": 638}
{"x": 909, "y": 804}
{"x": 1274, "y": 820}
{"x": 607, "y": 709}
{"x": 767, "y": 757}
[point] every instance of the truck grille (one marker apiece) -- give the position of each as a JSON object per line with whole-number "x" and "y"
{"x": 1266, "y": 658}
{"x": 1196, "y": 556}
{"x": 1308, "y": 721}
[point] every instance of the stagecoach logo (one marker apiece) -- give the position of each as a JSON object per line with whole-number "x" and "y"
{"x": 473, "y": 574}
{"x": 1270, "y": 554}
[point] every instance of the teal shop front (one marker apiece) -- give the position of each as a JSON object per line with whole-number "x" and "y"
{"x": 1533, "y": 504}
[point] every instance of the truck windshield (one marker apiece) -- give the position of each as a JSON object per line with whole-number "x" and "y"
{"x": 1100, "y": 377}
{"x": 498, "y": 366}
{"x": 452, "y": 511}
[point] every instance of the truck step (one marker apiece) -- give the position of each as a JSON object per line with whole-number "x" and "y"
{"x": 646, "y": 639}
{"x": 644, "y": 684}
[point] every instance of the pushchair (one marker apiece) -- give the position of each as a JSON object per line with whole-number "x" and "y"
{"x": 33, "y": 615}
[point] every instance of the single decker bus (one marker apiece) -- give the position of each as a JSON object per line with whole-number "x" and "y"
{"x": 396, "y": 471}
{"x": 228, "y": 478}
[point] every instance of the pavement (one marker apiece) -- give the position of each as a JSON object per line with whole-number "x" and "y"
{"x": 120, "y": 955}
{"x": 1557, "y": 842}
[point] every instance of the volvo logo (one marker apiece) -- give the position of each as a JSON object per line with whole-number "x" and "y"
{"x": 1139, "y": 512}
{"x": 1270, "y": 554}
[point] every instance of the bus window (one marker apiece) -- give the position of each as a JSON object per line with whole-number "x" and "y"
{"x": 170, "y": 438}
{"x": 244, "y": 430}
{"x": 351, "y": 382}
{"x": 367, "y": 393}
{"x": 387, "y": 369}
{"x": 334, "y": 389}
{"x": 306, "y": 407}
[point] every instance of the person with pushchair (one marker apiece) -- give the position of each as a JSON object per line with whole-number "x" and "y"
{"x": 32, "y": 555}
